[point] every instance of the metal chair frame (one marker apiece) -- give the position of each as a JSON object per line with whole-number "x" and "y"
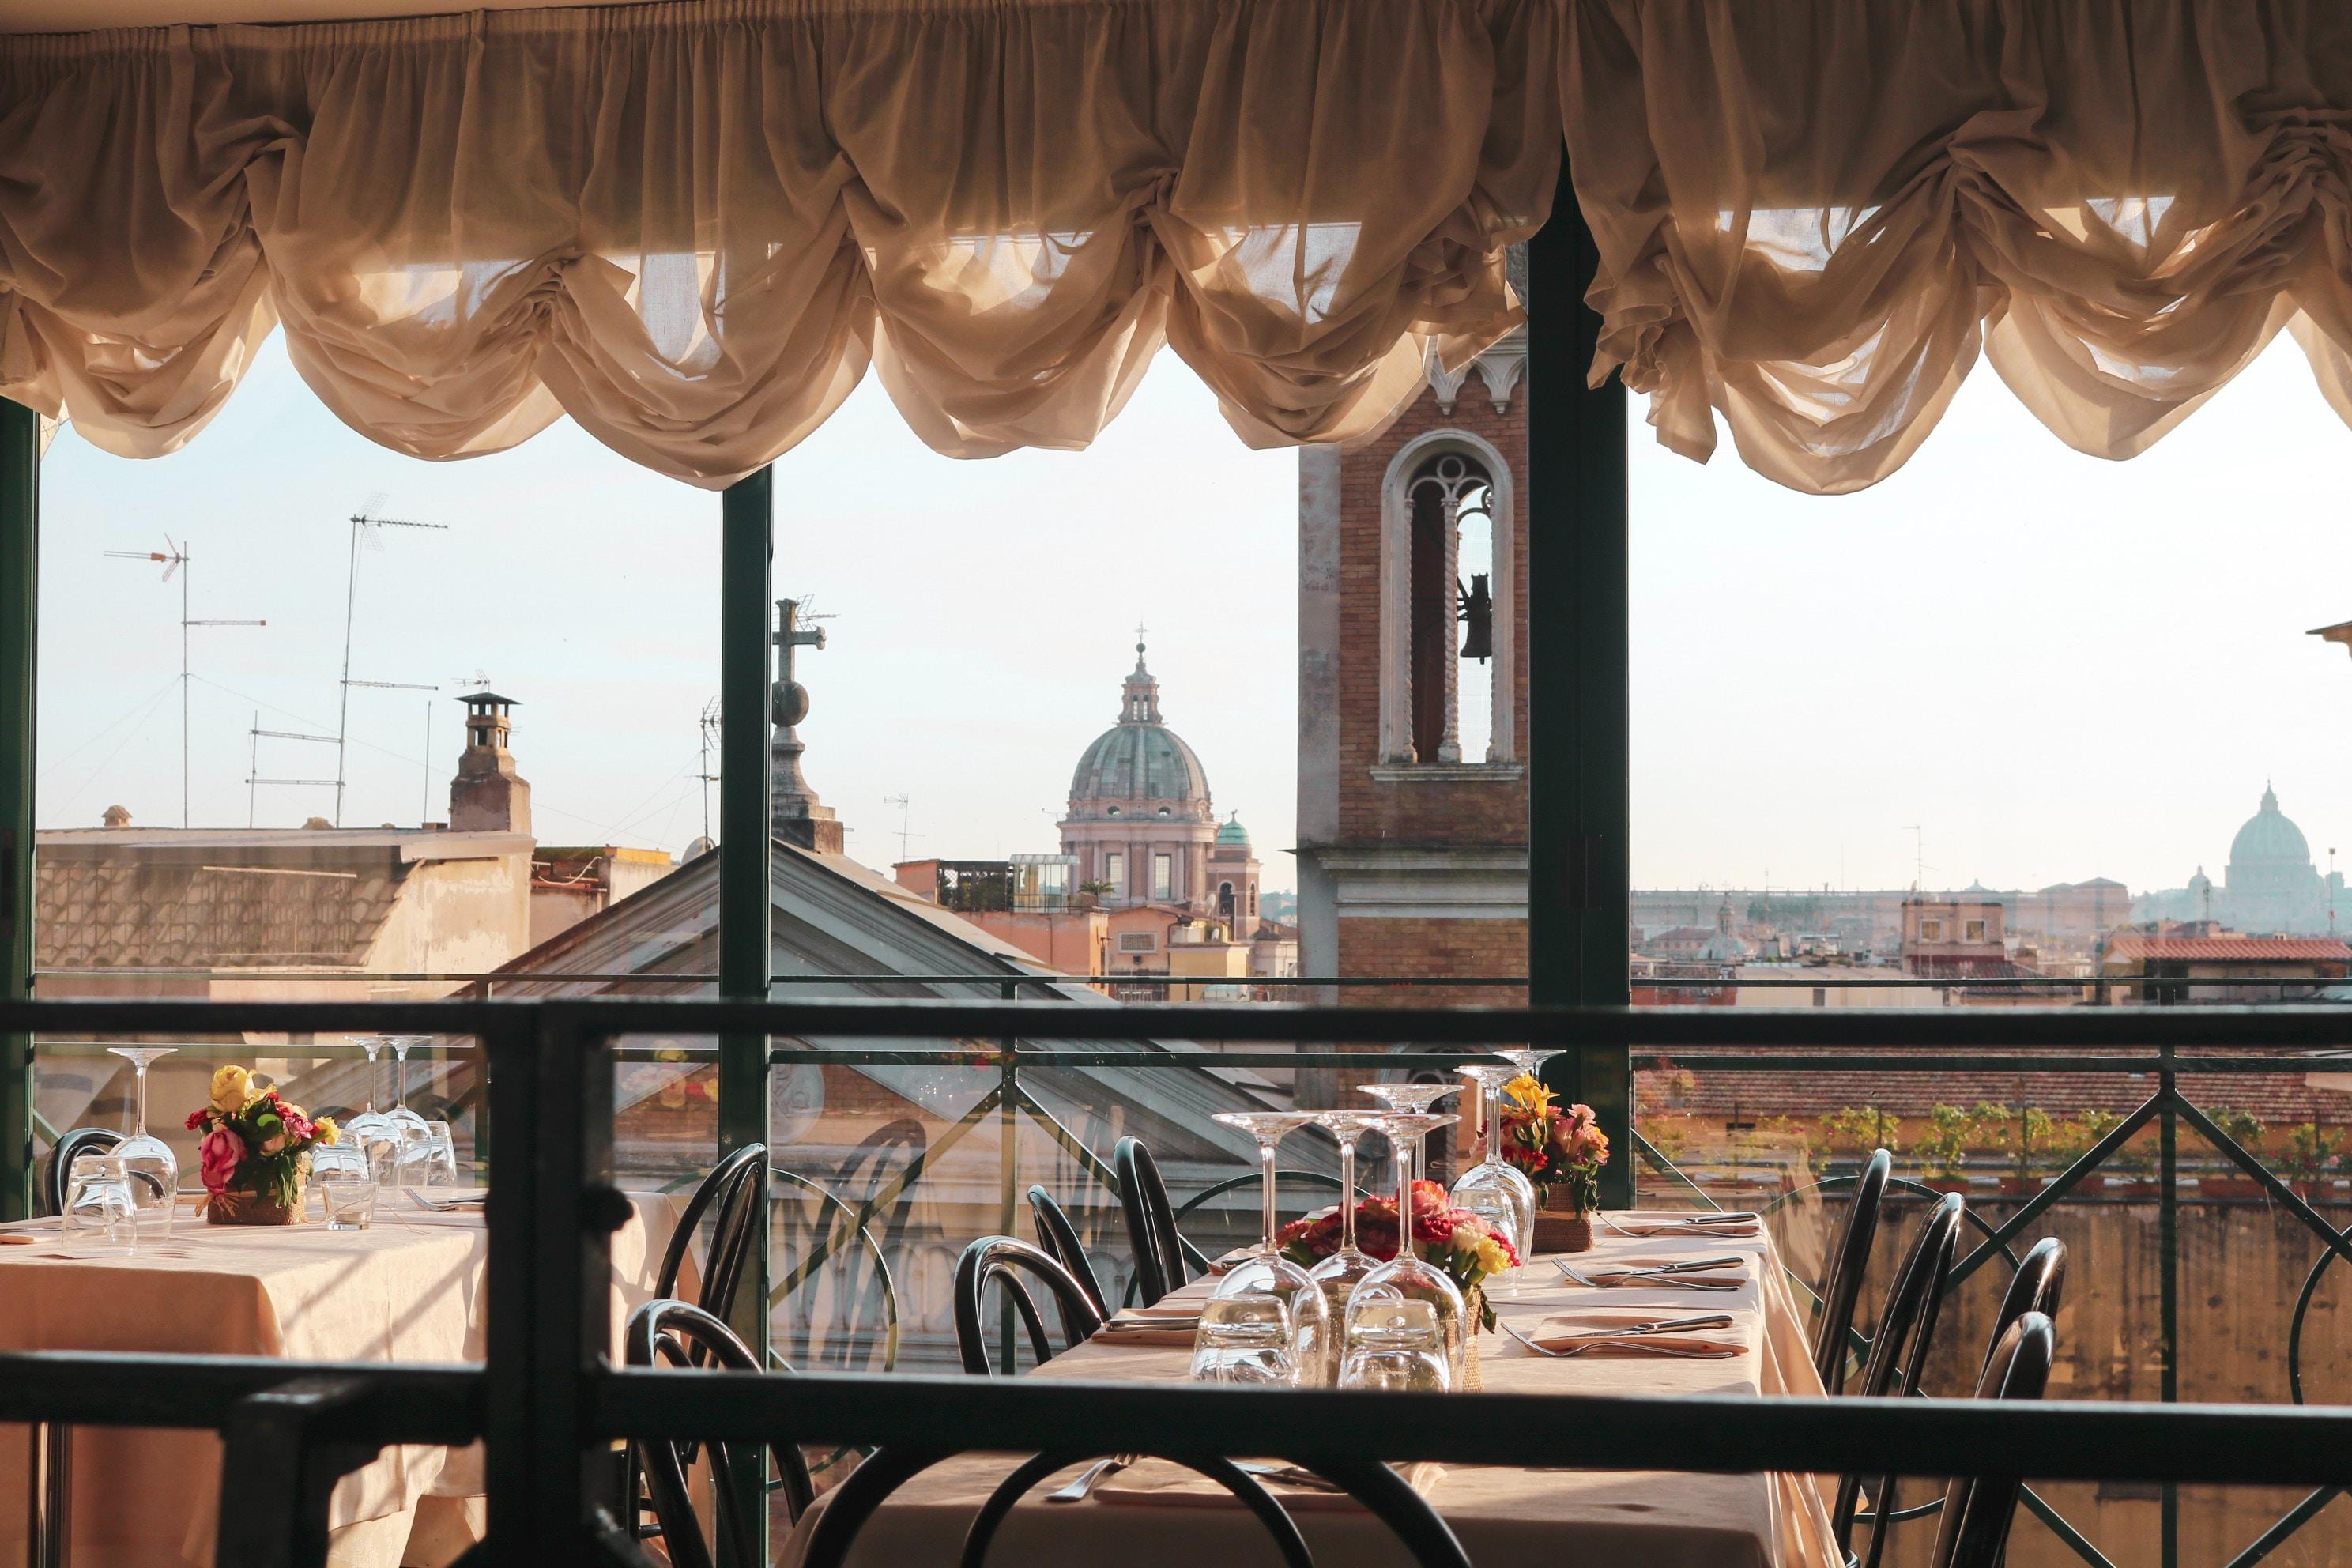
{"x": 1842, "y": 1287}
{"x": 1000, "y": 1260}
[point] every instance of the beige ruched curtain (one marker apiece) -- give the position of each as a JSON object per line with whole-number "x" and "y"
{"x": 694, "y": 227}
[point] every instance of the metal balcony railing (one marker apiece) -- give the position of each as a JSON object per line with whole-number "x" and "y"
{"x": 544, "y": 1403}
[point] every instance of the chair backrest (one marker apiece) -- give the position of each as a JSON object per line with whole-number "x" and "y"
{"x": 736, "y": 1194}
{"x": 2036, "y": 1286}
{"x": 71, "y": 1145}
{"x": 1159, "y": 1262}
{"x": 1974, "y": 1529}
{"x": 681, "y": 1335}
{"x": 1002, "y": 1260}
{"x": 1898, "y": 1353}
{"x": 1060, "y": 1239}
{"x": 1849, "y": 1263}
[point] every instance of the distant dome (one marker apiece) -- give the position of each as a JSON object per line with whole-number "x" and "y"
{"x": 698, "y": 848}
{"x": 2269, "y": 835}
{"x": 1139, "y": 759}
{"x": 1232, "y": 832}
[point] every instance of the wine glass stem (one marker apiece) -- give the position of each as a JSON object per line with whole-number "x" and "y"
{"x": 139, "y": 1117}
{"x": 1348, "y": 1192}
{"x": 1265, "y": 1197}
{"x": 1404, "y": 1196}
{"x": 1490, "y": 1106}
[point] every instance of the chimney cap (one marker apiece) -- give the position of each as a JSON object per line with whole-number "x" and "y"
{"x": 471, "y": 698}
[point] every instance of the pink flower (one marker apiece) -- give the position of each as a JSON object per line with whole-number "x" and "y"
{"x": 220, "y": 1154}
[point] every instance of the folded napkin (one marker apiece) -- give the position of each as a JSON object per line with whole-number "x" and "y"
{"x": 1606, "y": 1337}
{"x": 1168, "y": 1326}
{"x": 1168, "y": 1484}
{"x": 1647, "y": 1224}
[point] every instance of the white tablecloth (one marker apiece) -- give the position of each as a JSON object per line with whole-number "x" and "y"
{"x": 1638, "y": 1519}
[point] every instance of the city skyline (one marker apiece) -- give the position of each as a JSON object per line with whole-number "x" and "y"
{"x": 2098, "y": 683}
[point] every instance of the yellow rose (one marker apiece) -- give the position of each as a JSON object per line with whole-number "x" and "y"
{"x": 328, "y": 1132}
{"x": 1492, "y": 1258}
{"x": 232, "y": 1087}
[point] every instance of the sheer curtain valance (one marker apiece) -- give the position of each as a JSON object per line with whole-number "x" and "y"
{"x": 694, "y": 226}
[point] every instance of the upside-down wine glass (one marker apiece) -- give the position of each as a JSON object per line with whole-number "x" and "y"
{"x": 368, "y": 1140}
{"x": 1340, "y": 1273}
{"x": 1265, "y": 1272}
{"x": 1407, "y": 1275}
{"x": 1493, "y": 1189}
{"x": 370, "y": 1125}
{"x": 149, "y": 1165}
{"x": 1416, "y": 1098}
{"x": 409, "y": 1131}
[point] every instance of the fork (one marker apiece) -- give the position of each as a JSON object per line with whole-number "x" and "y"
{"x": 1697, "y": 1225}
{"x": 1632, "y": 1335}
{"x": 1090, "y": 1478}
{"x": 1656, "y": 1271}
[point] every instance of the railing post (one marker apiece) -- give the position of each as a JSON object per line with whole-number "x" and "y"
{"x": 745, "y": 866}
{"x": 1579, "y": 724}
{"x": 2168, "y": 1213}
{"x": 20, "y": 540}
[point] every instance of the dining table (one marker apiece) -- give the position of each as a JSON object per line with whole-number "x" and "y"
{"x": 409, "y": 1287}
{"x": 1160, "y": 1517}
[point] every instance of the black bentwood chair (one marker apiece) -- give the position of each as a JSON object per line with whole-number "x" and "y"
{"x": 1000, "y": 1260}
{"x": 2034, "y": 1288}
{"x": 71, "y": 1146}
{"x": 1842, "y": 1289}
{"x": 1164, "y": 1260}
{"x": 1978, "y": 1509}
{"x": 679, "y": 1335}
{"x": 1060, "y": 1239}
{"x": 734, "y": 1195}
{"x": 1899, "y": 1355}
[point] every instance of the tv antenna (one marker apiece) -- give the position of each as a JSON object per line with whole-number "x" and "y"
{"x": 710, "y": 725}
{"x": 253, "y": 778}
{"x": 1919, "y": 857}
{"x": 175, "y": 560}
{"x": 905, "y": 806}
{"x": 367, "y": 528}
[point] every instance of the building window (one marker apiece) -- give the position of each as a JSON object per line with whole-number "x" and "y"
{"x": 1446, "y": 549}
{"x": 1225, "y": 899}
{"x": 1163, "y": 876}
{"x": 1931, "y": 931}
{"x": 1115, "y": 872}
{"x": 1821, "y": 996}
{"x": 1973, "y": 932}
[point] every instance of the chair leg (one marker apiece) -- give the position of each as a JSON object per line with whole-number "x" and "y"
{"x": 48, "y": 1510}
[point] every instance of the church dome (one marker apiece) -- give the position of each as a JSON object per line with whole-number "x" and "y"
{"x": 1232, "y": 832}
{"x": 1140, "y": 759}
{"x": 2269, "y": 835}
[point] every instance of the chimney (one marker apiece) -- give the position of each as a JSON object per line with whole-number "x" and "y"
{"x": 116, "y": 817}
{"x": 488, "y": 795}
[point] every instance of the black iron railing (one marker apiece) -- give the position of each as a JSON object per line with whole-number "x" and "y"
{"x": 545, "y": 1404}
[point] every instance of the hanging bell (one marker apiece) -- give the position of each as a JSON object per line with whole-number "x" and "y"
{"x": 1476, "y": 615}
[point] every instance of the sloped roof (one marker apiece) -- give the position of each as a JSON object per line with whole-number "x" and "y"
{"x": 2228, "y": 949}
{"x": 264, "y": 898}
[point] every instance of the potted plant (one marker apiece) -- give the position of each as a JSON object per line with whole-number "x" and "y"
{"x": 1562, "y": 1150}
{"x": 255, "y": 1151}
{"x": 2309, "y": 1156}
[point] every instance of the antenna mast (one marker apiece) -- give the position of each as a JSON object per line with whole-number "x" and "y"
{"x": 710, "y": 739}
{"x": 904, "y": 805}
{"x": 364, "y": 524}
{"x": 175, "y": 558}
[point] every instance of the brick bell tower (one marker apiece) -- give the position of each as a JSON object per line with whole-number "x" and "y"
{"x": 1412, "y": 691}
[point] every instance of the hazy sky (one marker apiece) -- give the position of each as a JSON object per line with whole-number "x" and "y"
{"x": 2059, "y": 668}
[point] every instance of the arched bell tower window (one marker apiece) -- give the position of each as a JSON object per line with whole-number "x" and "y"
{"x": 1446, "y": 600}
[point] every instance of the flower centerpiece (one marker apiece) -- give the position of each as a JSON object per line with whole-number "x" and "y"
{"x": 1462, "y": 1245}
{"x": 1561, "y": 1150}
{"x": 256, "y": 1153}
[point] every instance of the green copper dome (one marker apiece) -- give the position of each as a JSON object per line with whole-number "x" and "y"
{"x": 1232, "y": 832}
{"x": 2268, "y": 834}
{"x": 1139, "y": 760}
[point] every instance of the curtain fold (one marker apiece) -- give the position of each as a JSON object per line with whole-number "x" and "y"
{"x": 694, "y": 227}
